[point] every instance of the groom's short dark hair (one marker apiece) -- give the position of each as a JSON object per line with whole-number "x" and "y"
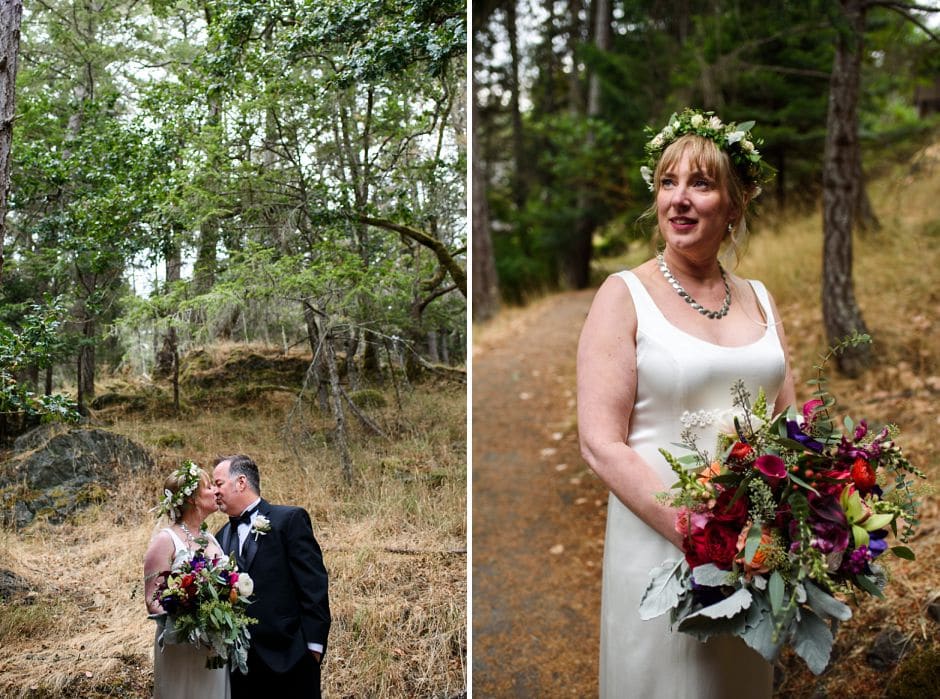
{"x": 241, "y": 465}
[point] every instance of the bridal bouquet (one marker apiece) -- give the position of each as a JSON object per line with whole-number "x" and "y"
{"x": 794, "y": 513}
{"x": 205, "y": 601}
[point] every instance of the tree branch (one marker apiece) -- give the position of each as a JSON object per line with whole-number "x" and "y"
{"x": 902, "y": 9}
{"x": 456, "y": 272}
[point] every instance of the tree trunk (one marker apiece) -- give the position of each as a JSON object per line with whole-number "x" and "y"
{"x": 841, "y": 313}
{"x": 576, "y": 266}
{"x": 575, "y": 93}
{"x": 866, "y": 220}
{"x": 336, "y": 403}
{"x": 520, "y": 163}
{"x": 314, "y": 338}
{"x": 485, "y": 284}
{"x": 168, "y": 360}
{"x": 370, "y": 358}
{"x": 85, "y": 366}
{"x": 11, "y": 12}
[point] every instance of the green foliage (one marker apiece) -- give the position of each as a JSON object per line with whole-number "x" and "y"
{"x": 369, "y": 398}
{"x": 768, "y": 62}
{"x": 36, "y": 343}
{"x": 247, "y": 150}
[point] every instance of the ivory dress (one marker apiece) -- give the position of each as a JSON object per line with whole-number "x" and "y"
{"x": 179, "y": 669}
{"x": 681, "y": 381}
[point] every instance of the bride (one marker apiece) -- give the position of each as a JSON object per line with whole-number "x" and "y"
{"x": 661, "y": 347}
{"x": 179, "y": 670}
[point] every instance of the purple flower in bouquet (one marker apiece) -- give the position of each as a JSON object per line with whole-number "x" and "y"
{"x": 856, "y": 562}
{"x": 877, "y": 542}
{"x": 795, "y": 432}
{"x": 828, "y": 523}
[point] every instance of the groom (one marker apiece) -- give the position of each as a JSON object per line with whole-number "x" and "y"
{"x": 275, "y": 545}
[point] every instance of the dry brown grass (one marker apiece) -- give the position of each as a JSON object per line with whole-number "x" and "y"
{"x": 394, "y": 544}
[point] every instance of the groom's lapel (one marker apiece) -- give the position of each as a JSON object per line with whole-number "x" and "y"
{"x": 230, "y": 540}
{"x": 252, "y": 542}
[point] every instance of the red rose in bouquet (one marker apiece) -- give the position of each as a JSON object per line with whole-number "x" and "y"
{"x": 715, "y": 543}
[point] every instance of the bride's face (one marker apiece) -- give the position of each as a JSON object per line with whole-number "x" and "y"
{"x": 205, "y": 497}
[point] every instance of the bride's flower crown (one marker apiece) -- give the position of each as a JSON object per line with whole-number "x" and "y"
{"x": 188, "y": 476}
{"x": 735, "y": 139}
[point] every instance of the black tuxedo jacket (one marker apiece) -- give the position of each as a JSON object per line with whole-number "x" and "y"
{"x": 290, "y": 599}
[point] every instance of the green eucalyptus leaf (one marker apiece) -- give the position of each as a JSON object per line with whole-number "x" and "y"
{"x": 776, "y": 590}
{"x": 903, "y": 552}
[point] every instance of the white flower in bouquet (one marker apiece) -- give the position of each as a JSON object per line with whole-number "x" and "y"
{"x": 244, "y": 585}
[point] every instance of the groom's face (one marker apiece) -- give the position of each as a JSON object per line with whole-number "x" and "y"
{"x": 232, "y": 492}
{"x": 227, "y": 489}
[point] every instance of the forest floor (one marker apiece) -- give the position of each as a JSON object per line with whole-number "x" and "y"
{"x": 539, "y": 514}
{"x": 394, "y": 541}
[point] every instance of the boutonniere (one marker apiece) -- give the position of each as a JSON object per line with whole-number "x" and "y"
{"x": 260, "y": 526}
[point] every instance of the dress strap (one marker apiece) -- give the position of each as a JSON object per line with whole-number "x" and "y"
{"x": 177, "y": 541}
{"x": 763, "y": 298}
{"x": 647, "y": 312}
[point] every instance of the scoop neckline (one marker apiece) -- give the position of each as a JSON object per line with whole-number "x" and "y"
{"x": 652, "y": 301}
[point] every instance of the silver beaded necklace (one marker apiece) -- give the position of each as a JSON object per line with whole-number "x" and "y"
{"x": 714, "y": 315}
{"x": 188, "y": 533}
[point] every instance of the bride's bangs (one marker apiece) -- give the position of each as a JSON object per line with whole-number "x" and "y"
{"x": 703, "y": 154}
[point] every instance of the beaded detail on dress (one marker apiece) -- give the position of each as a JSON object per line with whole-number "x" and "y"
{"x": 700, "y": 418}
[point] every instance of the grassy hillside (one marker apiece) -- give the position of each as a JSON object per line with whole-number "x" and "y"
{"x": 394, "y": 545}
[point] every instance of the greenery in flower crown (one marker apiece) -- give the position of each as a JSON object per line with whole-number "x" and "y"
{"x": 735, "y": 139}
{"x": 188, "y": 475}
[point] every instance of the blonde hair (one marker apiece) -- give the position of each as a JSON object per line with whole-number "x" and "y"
{"x": 707, "y": 156}
{"x": 174, "y": 483}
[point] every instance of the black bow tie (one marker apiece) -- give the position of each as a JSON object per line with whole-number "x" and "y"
{"x": 243, "y": 518}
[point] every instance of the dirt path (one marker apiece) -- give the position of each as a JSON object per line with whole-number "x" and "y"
{"x": 538, "y": 512}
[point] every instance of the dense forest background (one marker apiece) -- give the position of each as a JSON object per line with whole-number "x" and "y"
{"x": 563, "y": 91}
{"x": 185, "y": 172}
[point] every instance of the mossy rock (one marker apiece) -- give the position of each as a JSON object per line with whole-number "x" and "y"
{"x": 171, "y": 441}
{"x": 369, "y": 398}
{"x": 91, "y": 494}
{"x": 918, "y": 677}
{"x": 242, "y": 365}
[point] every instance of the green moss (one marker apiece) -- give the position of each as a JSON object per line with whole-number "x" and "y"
{"x": 917, "y": 677}
{"x": 91, "y": 494}
{"x": 369, "y": 398}
{"x": 171, "y": 440}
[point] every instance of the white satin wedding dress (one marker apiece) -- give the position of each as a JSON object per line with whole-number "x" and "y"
{"x": 179, "y": 669}
{"x": 681, "y": 381}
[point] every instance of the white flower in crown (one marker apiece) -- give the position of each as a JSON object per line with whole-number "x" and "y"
{"x": 657, "y": 141}
{"x": 260, "y": 526}
{"x": 697, "y": 120}
{"x": 715, "y": 123}
{"x": 735, "y": 136}
{"x": 647, "y": 175}
{"x": 747, "y": 146}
